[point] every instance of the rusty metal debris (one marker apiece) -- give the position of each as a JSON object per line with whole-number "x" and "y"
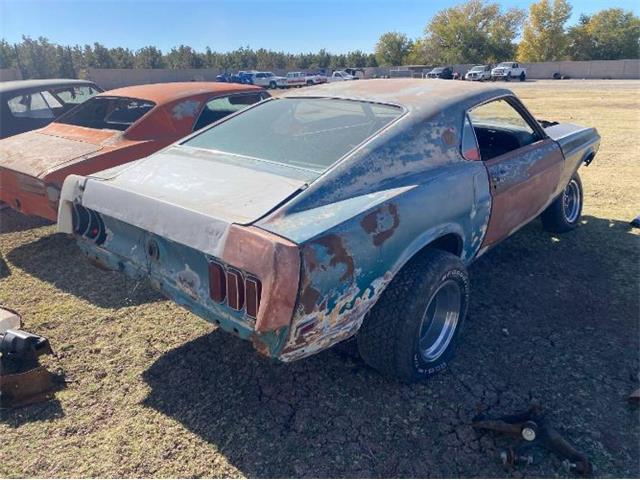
{"x": 532, "y": 429}
{"x": 23, "y": 381}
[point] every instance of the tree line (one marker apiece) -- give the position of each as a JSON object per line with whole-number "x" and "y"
{"x": 39, "y": 58}
{"x": 481, "y": 32}
{"x": 476, "y": 31}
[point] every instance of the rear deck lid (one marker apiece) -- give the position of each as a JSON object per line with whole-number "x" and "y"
{"x": 37, "y": 152}
{"x": 191, "y": 195}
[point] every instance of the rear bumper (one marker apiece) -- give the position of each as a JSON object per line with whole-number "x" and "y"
{"x": 28, "y": 195}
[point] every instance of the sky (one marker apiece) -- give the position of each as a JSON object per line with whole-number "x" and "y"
{"x": 291, "y": 26}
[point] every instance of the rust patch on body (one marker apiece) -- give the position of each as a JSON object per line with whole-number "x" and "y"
{"x": 449, "y": 137}
{"x": 339, "y": 254}
{"x": 308, "y": 298}
{"x": 381, "y": 223}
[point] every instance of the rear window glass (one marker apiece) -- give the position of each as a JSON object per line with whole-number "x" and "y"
{"x": 307, "y": 132}
{"x": 114, "y": 113}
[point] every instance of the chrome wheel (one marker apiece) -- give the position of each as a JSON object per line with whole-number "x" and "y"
{"x": 439, "y": 321}
{"x": 571, "y": 198}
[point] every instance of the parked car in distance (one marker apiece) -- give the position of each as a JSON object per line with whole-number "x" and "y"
{"x": 242, "y": 77}
{"x": 479, "y": 73}
{"x": 268, "y": 80}
{"x": 224, "y": 77}
{"x": 445, "y": 73}
{"x": 300, "y": 79}
{"x": 341, "y": 76}
{"x": 508, "y": 71}
{"x": 30, "y": 104}
{"x": 347, "y": 209}
{"x": 110, "y": 129}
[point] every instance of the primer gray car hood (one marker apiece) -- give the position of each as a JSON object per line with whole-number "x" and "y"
{"x": 191, "y": 195}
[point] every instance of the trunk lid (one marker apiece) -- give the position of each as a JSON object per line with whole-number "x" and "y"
{"x": 38, "y": 152}
{"x": 191, "y": 195}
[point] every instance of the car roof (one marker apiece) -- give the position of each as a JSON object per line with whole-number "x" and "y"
{"x": 16, "y": 85}
{"x": 162, "y": 93}
{"x": 428, "y": 96}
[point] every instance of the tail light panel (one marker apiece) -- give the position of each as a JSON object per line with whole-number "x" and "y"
{"x": 239, "y": 291}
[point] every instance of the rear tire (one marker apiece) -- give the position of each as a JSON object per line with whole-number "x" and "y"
{"x": 523, "y": 77}
{"x": 410, "y": 334}
{"x": 564, "y": 213}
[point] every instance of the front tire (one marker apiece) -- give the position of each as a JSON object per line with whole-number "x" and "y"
{"x": 508, "y": 77}
{"x": 410, "y": 334}
{"x": 273, "y": 85}
{"x": 564, "y": 213}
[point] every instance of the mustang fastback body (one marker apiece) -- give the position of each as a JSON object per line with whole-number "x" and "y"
{"x": 348, "y": 208}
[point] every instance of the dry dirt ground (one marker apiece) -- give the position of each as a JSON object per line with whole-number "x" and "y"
{"x": 155, "y": 391}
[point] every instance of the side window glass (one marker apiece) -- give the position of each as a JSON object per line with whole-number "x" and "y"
{"x": 51, "y": 101}
{"x": 30, "y": 105}
{"x": 74, "y": 95}
{"x": 220, "y": 107}
{"x": 469, "y": 147}
{"x": 500, "y": 128}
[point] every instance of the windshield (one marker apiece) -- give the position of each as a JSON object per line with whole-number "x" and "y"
{"x": 478, "y": 69}
{"x": 311, "y": 133}
{"x": 437, "y": 70}
{"x": 114, "y": 113}
{"x": 505, "y": 64}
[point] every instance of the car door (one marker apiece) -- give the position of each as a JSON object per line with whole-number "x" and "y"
{"x": 523, "y": 164}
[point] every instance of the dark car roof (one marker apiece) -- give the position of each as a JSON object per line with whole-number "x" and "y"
{"x": 415, "y": 94}
{"x": 17, "y": 85}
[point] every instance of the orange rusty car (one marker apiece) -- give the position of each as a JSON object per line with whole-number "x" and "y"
{"x": 108, "y": 130}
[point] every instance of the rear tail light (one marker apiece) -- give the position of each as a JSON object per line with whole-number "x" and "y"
{"x": 217, "y": 282}
{"x": 238, "y": 291}
{"x": 253, "y": 290}
{"x": 235, "y": 290}
{"x": 88, "y": 223}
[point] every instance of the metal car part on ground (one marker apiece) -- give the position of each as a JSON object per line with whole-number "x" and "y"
{"x": 23, "y": 381}
{"x": 345, "y": 209}
{"x": 109, "y": 130}
{"x": 533, "y": 429}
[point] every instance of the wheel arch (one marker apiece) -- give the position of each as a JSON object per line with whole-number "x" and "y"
{"x": 449, "y": 238}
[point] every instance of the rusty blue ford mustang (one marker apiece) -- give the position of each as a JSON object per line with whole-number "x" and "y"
{"x": 347, "y": 211}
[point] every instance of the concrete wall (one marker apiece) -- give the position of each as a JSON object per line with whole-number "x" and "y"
{"x": 7, "y": 74}
{"x": 121, "y": 77}
{"x": 614, "y": 69}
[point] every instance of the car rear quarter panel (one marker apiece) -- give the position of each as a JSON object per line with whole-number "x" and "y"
{"x": 408, "y": 190}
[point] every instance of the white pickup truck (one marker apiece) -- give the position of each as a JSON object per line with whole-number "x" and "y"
{"x": 508, "y": 71}
{"x": 340, "y": 76}
{"x": 299, "y": 79}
